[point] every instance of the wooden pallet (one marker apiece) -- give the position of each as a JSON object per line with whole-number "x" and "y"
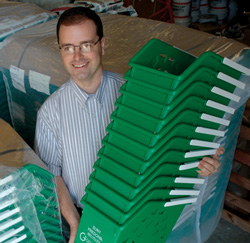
{"x": 236, "y": 208}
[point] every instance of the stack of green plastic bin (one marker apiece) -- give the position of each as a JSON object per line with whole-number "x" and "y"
{"x": 168, "y": 116}
{"x": 29, "y": 207}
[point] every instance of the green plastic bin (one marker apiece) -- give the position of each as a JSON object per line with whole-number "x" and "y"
{"x": 150, "y": 182}
{"x": 160, "y": 111}
{"x": 113, "y": 212}
{"x": 34, "y": 190}
{"x": 140, "y": 166}
{"x": 145, "y": 153}
{"x": 134, "y": 179}
{"x": 158, "y": 61}
{"x": 125, "y": 205}
{"x": 186, "y": 130}
{"x": 152, "y": 223}
{"x": 166, "y": 96}
{"x": 141, "y": 119}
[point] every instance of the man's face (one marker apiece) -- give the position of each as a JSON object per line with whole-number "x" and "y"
{"x": 84, "y": 68}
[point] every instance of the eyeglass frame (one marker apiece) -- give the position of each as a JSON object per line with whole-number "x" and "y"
{"x": 80, "y": 49}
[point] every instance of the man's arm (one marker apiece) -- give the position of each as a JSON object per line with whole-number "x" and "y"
{"x": 209, "y": 166}
{"x": 67, "y": 208}
{"x": 48, "y": 148}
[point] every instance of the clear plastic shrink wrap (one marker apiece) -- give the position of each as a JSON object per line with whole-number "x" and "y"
{"x": 199, "y": 220}
{"x": 29, "y": 210}
{"x": 46, "y": 4}
{"x": 32, "y": 69}
{"x": 17, "y": 16}
{"x": 14, "y": 17}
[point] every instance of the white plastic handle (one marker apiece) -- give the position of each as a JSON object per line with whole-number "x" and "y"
{"x": 9, "y": 213}
{"x": 196, "y": 142}
{"x": 210, "y": 131}
{"x": 7, "y": 203}
{"x": 10, "y": 233}
{"x": 200, "y": 153}
{"x": 175, "y": 202}
{"x": 6, "y": 180}
{"x": 10, "y": 223}
{"x": 7, "y": 192}
{"x": 231, "y": 80}
{"x": 16, "y": 240}
{"x": 188, "y": 166}
{"x": 184, "y": 192}
{"x": 225, "y": 94}
{"x": 220, "y": 107}
{"x": 189, "y": 180}
{"x": 215, "y": 119}
{"x": 236, "y": 66}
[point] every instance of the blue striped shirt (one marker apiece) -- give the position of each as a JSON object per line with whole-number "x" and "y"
{"x": 70, "y": 127}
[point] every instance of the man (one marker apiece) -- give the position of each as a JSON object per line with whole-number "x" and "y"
{"x": 72, "y": 121}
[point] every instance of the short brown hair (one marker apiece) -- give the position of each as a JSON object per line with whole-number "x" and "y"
{"x": 76, "y": 15}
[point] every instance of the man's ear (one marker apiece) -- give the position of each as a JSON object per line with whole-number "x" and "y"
{"x": 103, "y": 45}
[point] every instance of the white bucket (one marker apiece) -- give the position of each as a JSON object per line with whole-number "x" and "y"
{"x": 219, "y": 8}
{"x": 195, "y": 10}
{"x": 195, "y": 5}
{"x": 195, "y": 15}
{"x": 204, "y": 7}
{"x": 184, "y": 21}
{"x": 181, "y": 8}
{"x": 220, "y": 12}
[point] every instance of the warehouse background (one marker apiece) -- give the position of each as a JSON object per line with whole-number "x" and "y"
{"x": 236, "y": 28}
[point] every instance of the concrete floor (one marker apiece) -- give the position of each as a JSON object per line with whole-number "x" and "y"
{"x": 228, "y": 233}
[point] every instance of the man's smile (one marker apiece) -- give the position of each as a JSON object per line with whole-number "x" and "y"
{"x": 79, "y": 65}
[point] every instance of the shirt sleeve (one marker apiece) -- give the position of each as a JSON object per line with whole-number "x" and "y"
{"x": 47, "y": 144}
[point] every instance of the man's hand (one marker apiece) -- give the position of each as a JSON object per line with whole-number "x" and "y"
{"x": 73, "y": 232}
{"x": 209, "y": 166}
{"x": 67, "y": 208}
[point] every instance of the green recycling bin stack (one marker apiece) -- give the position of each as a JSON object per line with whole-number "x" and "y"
{"x": 169, "y": 114}
{"x": 29, "y": 208}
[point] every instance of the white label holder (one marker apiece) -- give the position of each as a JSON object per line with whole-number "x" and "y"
{"x": 8, "y": 203}
{"x": 175, "y": 202}
{"x": 231, "y": 80}
{"x": 7, "y": 192}
{"x": 11, "y": 233}
{"x": 16, "y": 240}
{"x": 200, "y": 153}
{"x": 225, "y": 94}
{"x": 236, "y": 66}
{"x": 188, "y": 166}
{"x": 189, "y": 180}
{"x": 10, "y": 223}
{"x": 215, "y": 119}
{"x": 220, "y": 107}
{"x": 9, "y": 213}
{"x": 210, "y": 131}
{"x": 184, "y": 192}
{"x": 6, "y": 180}
{"x": 196, "y": 142}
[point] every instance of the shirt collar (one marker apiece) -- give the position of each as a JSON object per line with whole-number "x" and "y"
{"x": 82, "y": 96}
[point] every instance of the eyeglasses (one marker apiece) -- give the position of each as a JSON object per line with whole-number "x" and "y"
{"x": 84, "y": 47}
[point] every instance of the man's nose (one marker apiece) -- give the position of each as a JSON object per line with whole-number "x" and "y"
{"x": 77, "y": 52}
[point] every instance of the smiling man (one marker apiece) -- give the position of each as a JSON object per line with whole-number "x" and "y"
{"x": 72, "y": 121}
{"x": 82, "y": 57}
